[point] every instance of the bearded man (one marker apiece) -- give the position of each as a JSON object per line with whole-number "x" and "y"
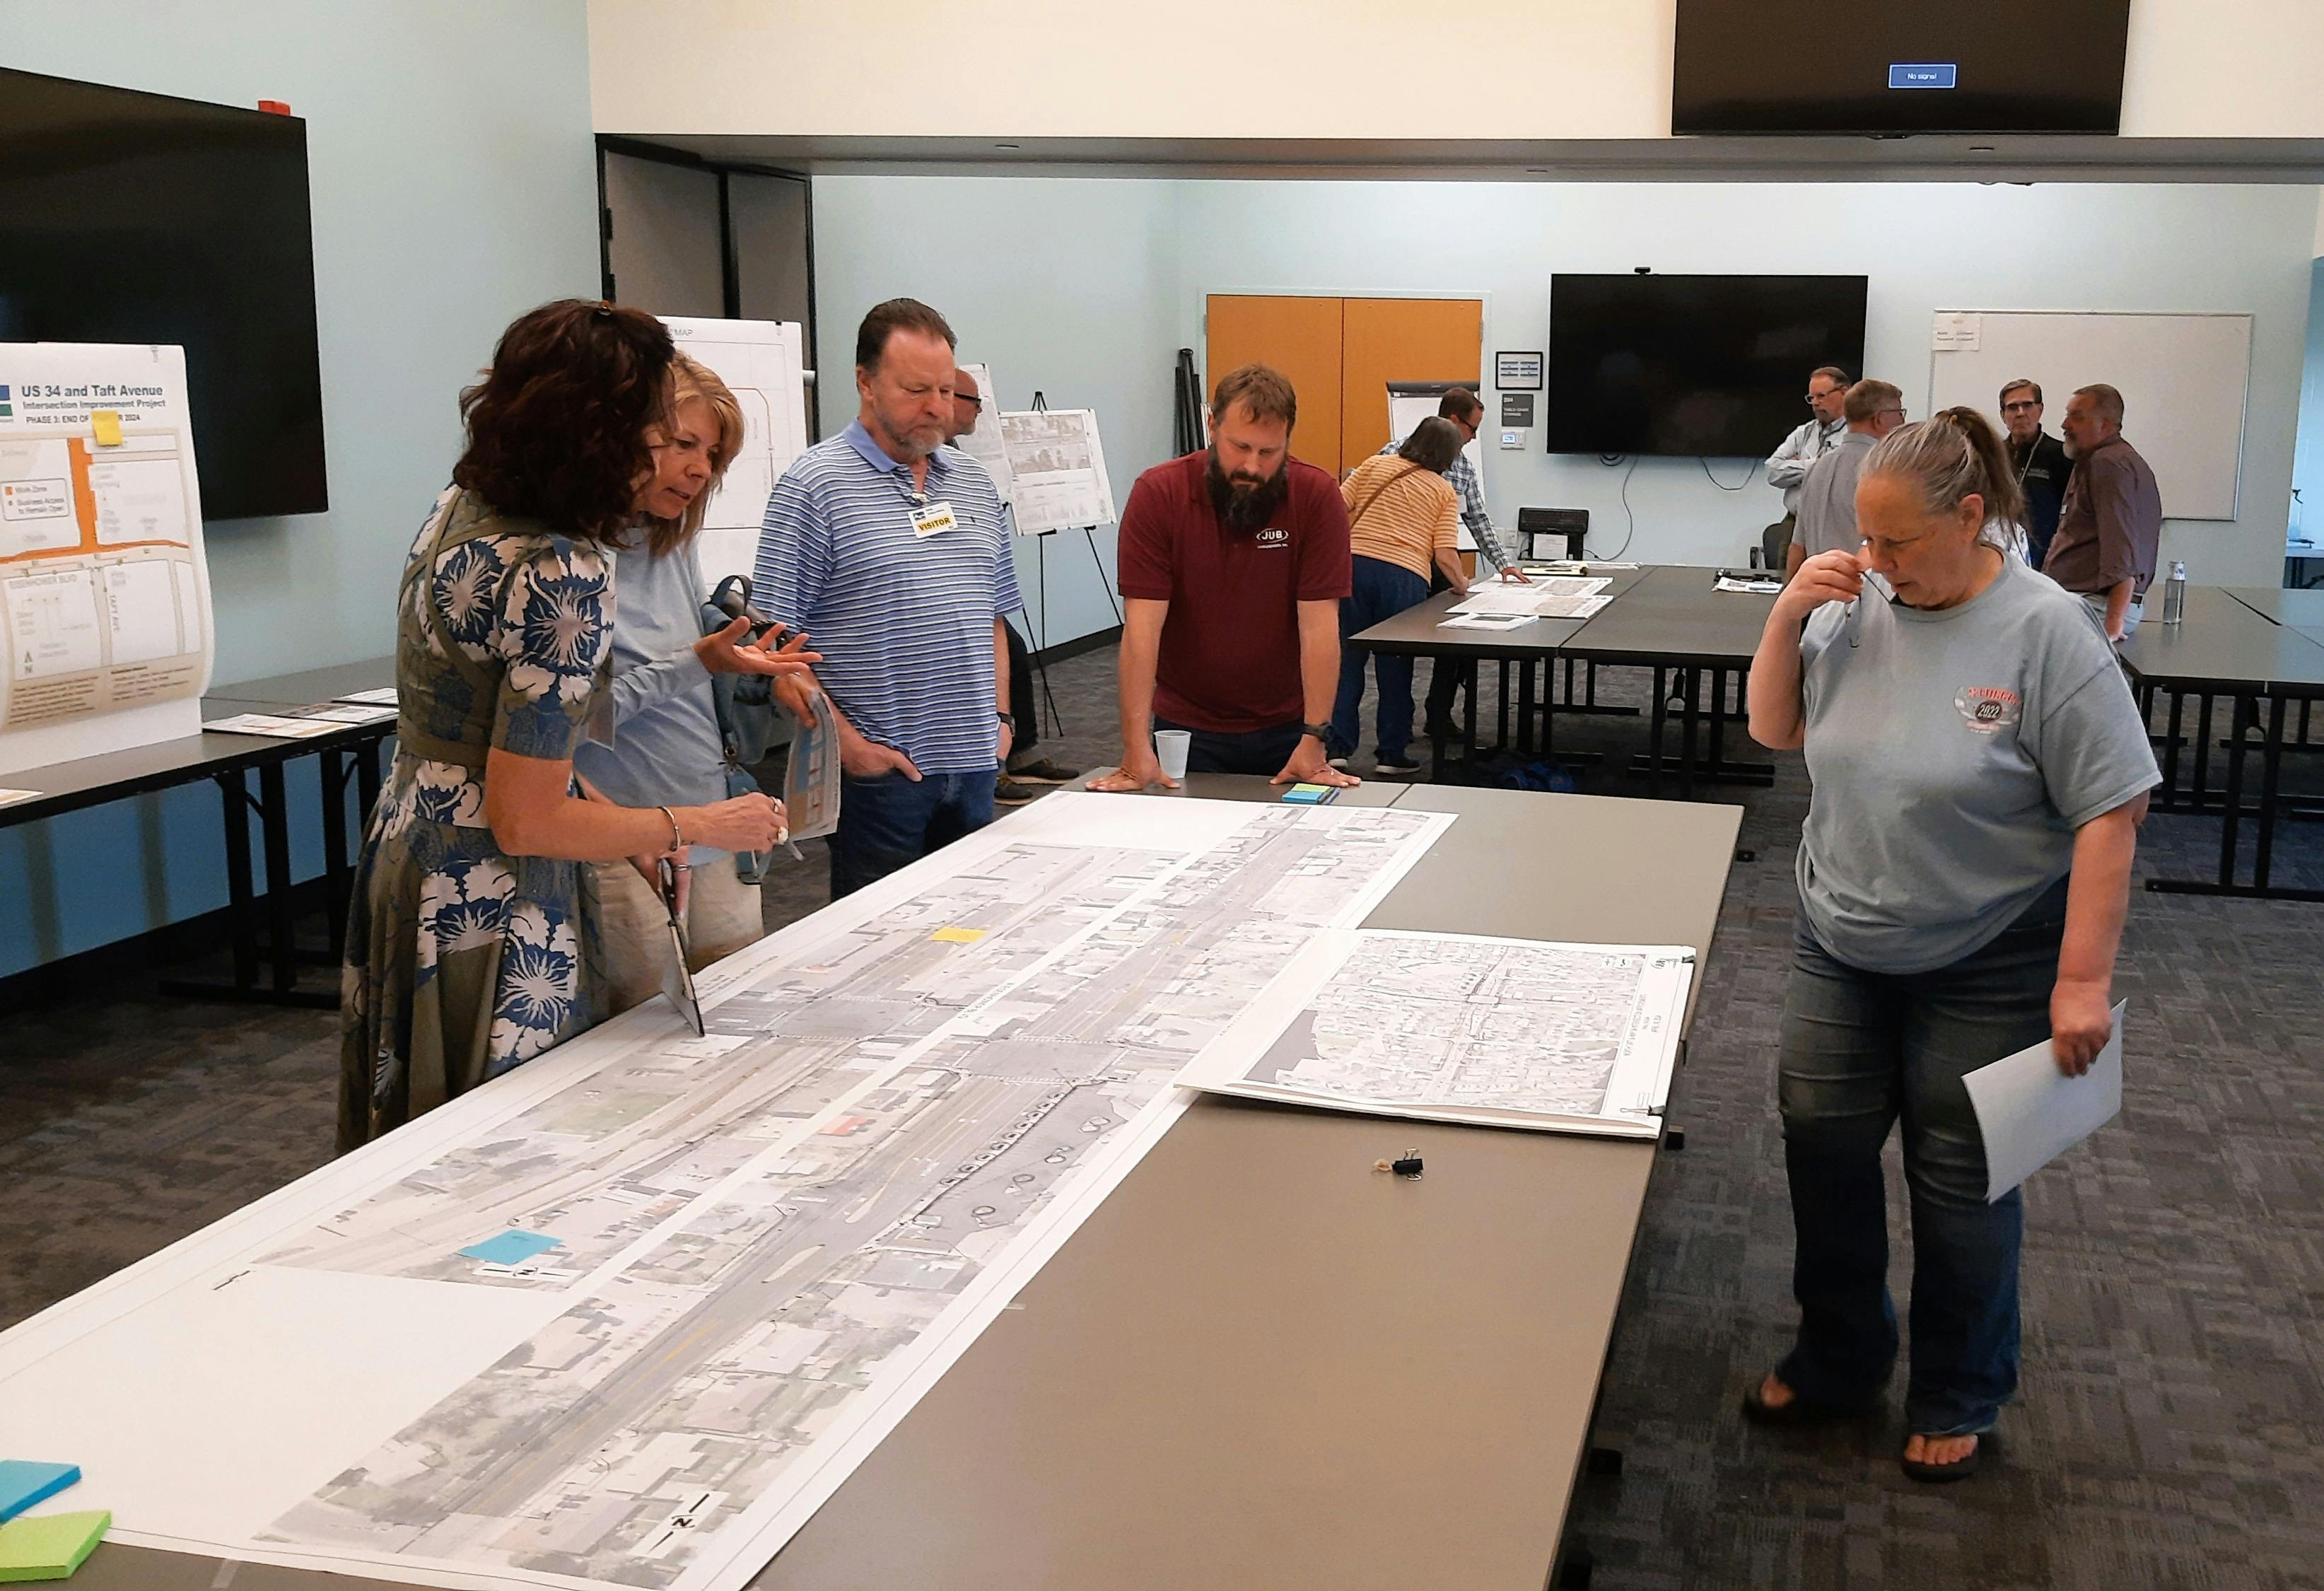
{"x": 1232, "y": 564}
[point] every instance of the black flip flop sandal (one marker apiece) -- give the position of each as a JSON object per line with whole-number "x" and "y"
{"x": 1938, "y": 1474}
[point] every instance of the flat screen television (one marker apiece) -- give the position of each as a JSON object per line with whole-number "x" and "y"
{"x": 129, "y": 217}
{"x": 1713, "y": 366}
{"x": 1898, "y": 66}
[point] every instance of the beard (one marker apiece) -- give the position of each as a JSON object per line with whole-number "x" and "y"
{"x": 1245, "y": 503}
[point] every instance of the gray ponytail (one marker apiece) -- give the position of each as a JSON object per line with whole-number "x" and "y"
{"x": 1948, "y": 457}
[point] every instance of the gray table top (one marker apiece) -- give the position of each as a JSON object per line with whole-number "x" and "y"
{"x": 1235, "y": 1373}
{"x": 2295, "y": 610}
{"x": 1420, "y": 630}
{"x": 1677, "y": 616}
{"x": 2223, "y": 644}
{"x": 308, "y": 686}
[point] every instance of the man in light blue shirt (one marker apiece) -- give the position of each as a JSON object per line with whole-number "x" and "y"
{"x": 891, "y": 551}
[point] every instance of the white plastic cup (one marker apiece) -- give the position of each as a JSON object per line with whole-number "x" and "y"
{"x": 1170, "y": 749}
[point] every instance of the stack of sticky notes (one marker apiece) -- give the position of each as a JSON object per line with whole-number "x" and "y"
{"x": 52, "y": 1547}
{"x": 1310, "y": 795}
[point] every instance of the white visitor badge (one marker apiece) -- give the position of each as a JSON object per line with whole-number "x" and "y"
{"x": 933, "y": 520}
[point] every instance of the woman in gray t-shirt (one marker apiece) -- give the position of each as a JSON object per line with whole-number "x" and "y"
{"x": 1979, "y": 771}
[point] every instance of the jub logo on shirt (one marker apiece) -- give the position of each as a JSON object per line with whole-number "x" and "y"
{"x": 1987, "y": 709}
{"x": 1274, "y": 536}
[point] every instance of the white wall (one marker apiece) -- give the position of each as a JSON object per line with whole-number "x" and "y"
{"x": 1044, "y": 276}
{"x": 1309, "y": 69}
{"x": 453, "y": 181}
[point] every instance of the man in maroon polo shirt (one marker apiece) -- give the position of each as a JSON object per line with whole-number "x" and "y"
{"x": 1232, "y": 564}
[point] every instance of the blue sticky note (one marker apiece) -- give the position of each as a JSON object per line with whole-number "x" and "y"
{"x": 1310, "y": 794}
{"x": 511, "y": 1247}
{"x": 23, "y": 1482}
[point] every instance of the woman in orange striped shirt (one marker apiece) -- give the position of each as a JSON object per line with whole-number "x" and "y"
{"x": 1403, "y": 516}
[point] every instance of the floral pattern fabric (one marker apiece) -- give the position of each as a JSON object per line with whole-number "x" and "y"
{"x": 464, "y": 961}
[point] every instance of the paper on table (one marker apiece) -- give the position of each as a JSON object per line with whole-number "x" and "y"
{"x": 1763, "y": 587}
{"x": 1543, "y": 596}
{"x": 1487, "y": 621}
{"x": 350, "y": 712}
{"x": 384, "y": 695}
{"x": 10, "y": 797}
{"x": 2031, "y": 1113}
{"x": 269, "y": 724}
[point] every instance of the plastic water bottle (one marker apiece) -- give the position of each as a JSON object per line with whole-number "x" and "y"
{"x": 2175, "y": 595}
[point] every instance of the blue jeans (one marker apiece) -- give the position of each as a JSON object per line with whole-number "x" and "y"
{"x": 1253, "y": 751}
{"x": 1861, "y": 1052}
{"x": 1379, "y": 590}
{"x": 891, "y": 822}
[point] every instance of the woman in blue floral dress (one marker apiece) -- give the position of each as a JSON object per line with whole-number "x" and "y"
{"x": 472, "y": 937}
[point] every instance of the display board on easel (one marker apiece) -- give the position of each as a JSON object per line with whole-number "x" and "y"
{"x": 1056, "y": 465}
{"x": 763, "y": 363}
{"x": 105, "y": 598}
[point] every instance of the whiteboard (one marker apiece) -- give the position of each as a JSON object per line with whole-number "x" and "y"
{"x": 1405, "y": 411}
{"x": 2183, "y": 379}
{"x": 762, "y": 364}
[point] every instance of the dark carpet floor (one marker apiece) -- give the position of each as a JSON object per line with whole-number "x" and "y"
{"x": 2167, "y": 1432}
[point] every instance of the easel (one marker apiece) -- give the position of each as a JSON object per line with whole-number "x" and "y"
{"x": 1041, "y": 596}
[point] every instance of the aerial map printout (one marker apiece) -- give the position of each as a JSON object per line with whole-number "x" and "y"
{"x": 629, "y": 1314}
{"x": 1460, "y": 1028}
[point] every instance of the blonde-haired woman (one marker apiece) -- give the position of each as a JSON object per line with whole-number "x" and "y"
{"x": 1979, "y": 771}
{"x": 666, "y": 747}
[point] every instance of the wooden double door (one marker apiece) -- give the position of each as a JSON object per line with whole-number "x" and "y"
{"x": 1341, "y": 354}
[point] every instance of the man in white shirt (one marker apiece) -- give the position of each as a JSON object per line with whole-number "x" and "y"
{"x": 1788, "y": 465}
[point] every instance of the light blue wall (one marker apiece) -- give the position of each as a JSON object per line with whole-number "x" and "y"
{"x": 1065, "y": 286}
{"x": 453, "y": 182}
{"x": 2308, "y": 469}
{"x": 1055, "y": 273}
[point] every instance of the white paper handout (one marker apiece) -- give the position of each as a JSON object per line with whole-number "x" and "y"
{"x": 275, "y": 726}
{"x": 762, "y": 364}
{"x": 105, "y": 607}
{"x": 1762, "y": 587}
{"x": 383, "y": 695}
{"x": 1563, "y": 597}
{"x": 2031, "y": 1113}
{"x": 1460, "y": 1028}
{"x": 1496, "y": 622}
{"x": 1057, "y": 469}
{"x": 811, "y": 787}
{"x": 627, "y": 1314}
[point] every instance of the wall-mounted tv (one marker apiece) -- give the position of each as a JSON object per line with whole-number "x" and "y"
{"x": 1714, "y": 366}
{"x": 129, "y": 217}
{"x": 1898, "y": 66}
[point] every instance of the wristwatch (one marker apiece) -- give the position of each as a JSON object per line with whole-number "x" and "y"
{"x": 1008, "y": 718}
{"x": 1322, "y": 732}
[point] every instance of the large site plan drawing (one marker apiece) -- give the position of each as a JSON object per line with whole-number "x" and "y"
{"x": 629, "y": 1314}
{"x": 1451, "y": 1027}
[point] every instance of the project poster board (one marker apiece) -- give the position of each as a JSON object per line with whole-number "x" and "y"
{"x": 764, "y": 364}
{"x": 105, "y": 598}
{"x": 1407, "y": 409}
{"x": 2183, "y": 380}
{"x": 1058, "y": 465}
{"x": 984, "y": 444}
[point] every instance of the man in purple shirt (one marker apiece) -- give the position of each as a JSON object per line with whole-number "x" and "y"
{"x": 2110, "y": 526}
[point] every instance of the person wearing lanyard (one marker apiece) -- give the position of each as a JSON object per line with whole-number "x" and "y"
{"x": 1979, "y": 771}
{"x": 1788, "y": 464}
{"x": 2042, "y": 462}
{"x": 891, "y": 551}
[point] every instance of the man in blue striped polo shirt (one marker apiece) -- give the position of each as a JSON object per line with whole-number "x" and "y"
{"x": 891, "y": 550}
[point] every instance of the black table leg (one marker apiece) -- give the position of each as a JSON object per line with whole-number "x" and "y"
{"x": 338, "y": 867}
{"x": 1718, "y": 723}
{"x": 1655, "y": 736}
{"x": 2270, "y": 776}
{"x": 2231, "y": 818}
{"x": 1468, "y": 718}
{"x": 236, "y": 790}
{"x": 1525, "y": 707}
{"x": 2203, "y": 751}
{"x": 1501, "y": 708}
{"x": 275, "y": 821}
{"x": 2171, "y": 751}
{"x": 1689, "y": 712}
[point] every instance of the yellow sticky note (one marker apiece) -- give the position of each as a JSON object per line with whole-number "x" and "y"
{"x": 957, "y": 936}
{"x": 106, "y": 424}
